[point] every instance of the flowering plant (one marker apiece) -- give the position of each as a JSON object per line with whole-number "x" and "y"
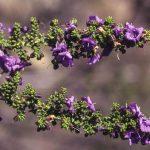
{"x": 68, "y": 43}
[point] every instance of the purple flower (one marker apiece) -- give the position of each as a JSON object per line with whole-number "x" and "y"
{"x": 94, "y": 59}
{"x": 117, "y": 31}
{"x": 70, "y": 26}
{"x": 123, "y": 109}
{"x": 65, "y": 59}
{"x": 10, "y": 63}
{"x": 93, "y": 19}
{"x": 133, "y": 137}
{"x": 13, "y": 64}
{"x": 60, "y": 47}
{"x": 144, "y": 124}
{"x": 1, "y": 27}
{"x": 135, "y": 109}
{"x": 89, "y": 102}
{"x": 10, "y": 30}
{"x": 146, "y": 139}
{"x": 68, "y": 30}
{"x": 24, "y": 29}
{"x": 62, "y": 55}
{"x": 1, "y": 54}
{"x": 70, "y": 103}
{"x": 133, "y": 34}
{"x": 88, "y": 44}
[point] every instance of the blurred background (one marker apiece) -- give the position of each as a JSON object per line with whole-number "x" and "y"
{"x": 109, "y": 80}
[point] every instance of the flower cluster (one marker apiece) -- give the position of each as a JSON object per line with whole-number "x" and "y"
{"x": 126, "y": 122}
{"x": 62, "y": 55}
{"x": 67, "y": 43}
{"x": 11, "y": 64}
{"x": 143, "y": 129}
{"x": 138, "y": 125}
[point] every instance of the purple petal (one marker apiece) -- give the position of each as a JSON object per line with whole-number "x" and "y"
{"x": 94, "y": 59}
{"x": 135, "y": 109}
{"x": 89, "y": 102}
{"x": 95, "y": 19}
{"x": 2, "y": 28}
{"x": 1, "y": 53}
{"x": 133, "y": 34}
{"x": 88, "y": 44}
{"x": 70, "y": 103}
{"x": 144, "y": 124}
{"x": 117, "y": 31}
